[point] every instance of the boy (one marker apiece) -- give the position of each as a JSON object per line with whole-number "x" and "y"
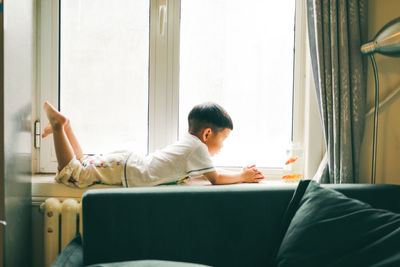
{"x": 209, "y": 126}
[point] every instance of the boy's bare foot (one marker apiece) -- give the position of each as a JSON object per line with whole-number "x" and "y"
{"x": 47, "y": 130}
{"x": 56, "y": 119}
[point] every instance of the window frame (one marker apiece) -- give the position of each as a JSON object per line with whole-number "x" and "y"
{"x": 47, "y": 76}
{"x": 163, "y": 107}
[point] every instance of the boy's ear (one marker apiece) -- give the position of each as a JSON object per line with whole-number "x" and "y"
{"x": 206, "y": 134}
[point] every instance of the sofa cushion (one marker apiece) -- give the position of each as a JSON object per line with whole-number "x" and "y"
{"x": 328, "y": 228}
{"x": 148, "y": 263}
{"x": 212, "y": 225}
{"x": 72, "y": 255}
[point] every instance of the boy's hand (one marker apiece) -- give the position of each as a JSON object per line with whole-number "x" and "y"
{"x": 247, "y": 175}
{"x": 251, "y": 174}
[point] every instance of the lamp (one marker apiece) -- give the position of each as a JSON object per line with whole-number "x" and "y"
{"x": 386, "y": 42}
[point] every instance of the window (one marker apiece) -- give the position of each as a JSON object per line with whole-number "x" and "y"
{"x": 127, "y": 74}
{"x": 104, "y": 62}
{"x": 241, "y": 59}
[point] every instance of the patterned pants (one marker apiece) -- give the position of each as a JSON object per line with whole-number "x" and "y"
{"x": 90, "y": 170}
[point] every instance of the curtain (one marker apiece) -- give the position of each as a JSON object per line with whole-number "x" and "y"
{"x": 337, "y": 29}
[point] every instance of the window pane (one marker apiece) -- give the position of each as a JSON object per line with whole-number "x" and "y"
{"x": 104, "y": 72}
{"x": 241, "y": 57}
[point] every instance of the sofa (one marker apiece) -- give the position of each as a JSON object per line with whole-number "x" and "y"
{"x": 239, "y": 225}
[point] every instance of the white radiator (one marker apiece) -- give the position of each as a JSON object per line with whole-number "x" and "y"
{"x": 61, "y": 224}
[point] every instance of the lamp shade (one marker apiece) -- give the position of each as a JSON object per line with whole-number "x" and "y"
{"x": 386, "y": 41}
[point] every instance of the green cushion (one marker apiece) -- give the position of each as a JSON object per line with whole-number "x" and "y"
{"x": 215, "y": 225}
{"x": 72, "y": 255}
{"x": 148, "y": 263}
{"x": 330, "y": 229}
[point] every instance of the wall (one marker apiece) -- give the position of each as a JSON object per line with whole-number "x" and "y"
{"x": 388, "y": 168}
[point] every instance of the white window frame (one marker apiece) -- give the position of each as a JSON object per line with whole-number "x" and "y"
{"x": 163, "y": 77}
{"x": 47, "y": 76}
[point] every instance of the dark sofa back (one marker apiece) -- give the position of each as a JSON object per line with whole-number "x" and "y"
{"x": 215, "y": 225}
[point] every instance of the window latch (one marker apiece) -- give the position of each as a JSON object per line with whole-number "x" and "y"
{"x": 37, "y": 135}
{"x": 162, "y": 15}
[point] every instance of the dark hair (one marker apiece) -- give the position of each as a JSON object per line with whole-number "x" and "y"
{"x": 209, "y": 115}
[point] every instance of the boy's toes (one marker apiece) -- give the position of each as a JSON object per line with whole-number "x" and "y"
{"x": 47, "y": 130}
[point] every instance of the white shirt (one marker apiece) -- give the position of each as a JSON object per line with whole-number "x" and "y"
{"x": 187, "y": 157}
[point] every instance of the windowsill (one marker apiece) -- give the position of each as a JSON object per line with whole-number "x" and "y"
{"x": 44, "y": 186}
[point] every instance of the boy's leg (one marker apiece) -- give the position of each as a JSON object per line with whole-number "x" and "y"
{"x": 71, "y": 138}
{"x": 64, "y": 151}
{"x": 73, "y": 141}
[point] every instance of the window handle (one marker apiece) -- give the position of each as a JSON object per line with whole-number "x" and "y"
{"x": 162, "y": 15}
{"x": 3, "y": 222}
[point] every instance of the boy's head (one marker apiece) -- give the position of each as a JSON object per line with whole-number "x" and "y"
{"x": 211, "y": 124}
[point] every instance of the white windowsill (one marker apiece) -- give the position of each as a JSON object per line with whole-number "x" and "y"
{"x": 44, "y": 186}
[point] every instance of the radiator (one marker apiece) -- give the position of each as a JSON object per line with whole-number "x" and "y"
{"x": 61, "y": 224}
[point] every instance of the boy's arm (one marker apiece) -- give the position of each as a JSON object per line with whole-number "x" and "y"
{"x": 246, "y": 175}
